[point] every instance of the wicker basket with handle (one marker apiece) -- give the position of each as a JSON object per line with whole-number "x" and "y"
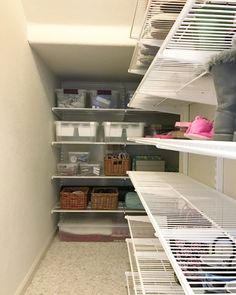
{"x": 116, "y": 164}
{"x": 74, "y": 197}
{"x": 104, "y": 198}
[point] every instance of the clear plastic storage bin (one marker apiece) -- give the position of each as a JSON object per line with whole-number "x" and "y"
{"x": 106, "y": 99}
{"x": 71, "y": 98}
{"x": 89, "y": 169}
{"x": 78, "y": 157}
{"x": 76, "y": 131}
{"x": 93, "y": 227}
{"x": 120, "y": 131}
{"x": 67, "y": 169}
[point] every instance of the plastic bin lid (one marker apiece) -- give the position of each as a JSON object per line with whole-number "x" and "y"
{"x": 76, "y": 122}
{"x": 124, "y": 123}
{"x": 91, "y": 220}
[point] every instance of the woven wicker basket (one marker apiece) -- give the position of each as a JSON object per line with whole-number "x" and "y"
{"x": 116, "y": 166}
{"x": 74, "y": 197}
{"x": 104, "y": 198}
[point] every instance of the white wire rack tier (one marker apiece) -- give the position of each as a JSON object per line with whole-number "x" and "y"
{"x": 155, "y": 272}
{"x": 205, "y": 25}
{"x": 196, "y": 226}
{"x": 134, "y": 271}
{"x": 160, "y": 17}
{"x": 139, "y": 15}
{"x": 202, "y": 29}
{"x": 121, "y": 209}
{"x": 222, "y": 149}
{"x": 150, "y": 102}
{"x": 129, "y": 282}
{"x": 88, "y": 177}
{"x": 63, "y": 143}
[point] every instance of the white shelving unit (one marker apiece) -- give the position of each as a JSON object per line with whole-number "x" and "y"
{"x": 222, "y": 149}
{"x": 99, "y": 114}
{"x": 154, "y": 29}
{"x": 195, "y": 226}
{"x": 89, "y": 177}
{"x": 129, "y": 283}
{"x": 202, "y": 29}
{"x": 124, "y": 143}
{"x": 121, "y": 209}
{"x": 148, "y": 259}
{"x": 97, "y": 149}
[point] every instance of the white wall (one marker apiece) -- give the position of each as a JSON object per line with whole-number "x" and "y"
{"x": 27, "y": 159}
{"x": 203, "y": 168}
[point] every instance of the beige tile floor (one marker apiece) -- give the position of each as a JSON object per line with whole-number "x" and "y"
{"x": 81, "y": 268}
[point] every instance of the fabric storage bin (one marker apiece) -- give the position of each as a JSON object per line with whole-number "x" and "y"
{"x": 92, "y": 227}
{"x": 104, "y": 198}
{"x": 116, "y": 131}
{"x": 116, "y": 164}
{"x": 74, "y": 198}
{"x": 89, "y": 169}
{"x": 105, "y": 99}
{"x": 78, "y": 157}
{"x": 132, "y": 201}
{"x": 67, "y": 169}
{"x": 71, "y": 98}
{"x": 76, "y": 131}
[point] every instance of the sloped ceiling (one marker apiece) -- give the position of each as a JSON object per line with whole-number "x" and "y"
{"x": 83, "y": 39}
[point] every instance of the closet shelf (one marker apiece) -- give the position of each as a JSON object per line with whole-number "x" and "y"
{"x": 202, "y": 29}
{"x": 222, "y": 149}
{"x": 121, "y": 209}
{"x": 139, "y": 15}
{"x": 189, "y": 219}
{"x": 149, "y": 259}
{"x": 61, "y": 143}
{"x": 97, "y": 114}
{"x": 130, "y": 285}
{"x": 89, "y": 177}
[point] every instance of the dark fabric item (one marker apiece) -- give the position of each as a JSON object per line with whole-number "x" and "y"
{"x": 224, "y": 76}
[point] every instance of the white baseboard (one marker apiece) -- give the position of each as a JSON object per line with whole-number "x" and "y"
{"x": 27, "y": 279}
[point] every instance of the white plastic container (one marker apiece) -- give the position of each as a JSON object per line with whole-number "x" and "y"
{"x": 76, "y": 131}
{"x": 119, "y": 131}
{"x": 71, "y": 98}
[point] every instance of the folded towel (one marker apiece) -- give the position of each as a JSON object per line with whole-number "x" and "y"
{"x": 132, "y": 201}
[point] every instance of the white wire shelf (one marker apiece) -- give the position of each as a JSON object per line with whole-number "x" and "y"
{"x": 61, "y": 143}
{"x": 156, "y": 275}
{"x": 222, "y": 149}
{"x": 89, "y": 177}
{"x": 160, "y": 17}
{"x": 134, "y": 271}
{"x": 129, "y": 282}
{"x": 139, "y": 15}
{"x": 202, "y": 29}
{"x": 98, "y": 113}
{"x": 196, "y": 226}
{"x": 121, "y": 209}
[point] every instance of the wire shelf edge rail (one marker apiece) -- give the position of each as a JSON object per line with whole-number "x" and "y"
{"x": 189, "y": 234}
{"x": 212, "y": 148}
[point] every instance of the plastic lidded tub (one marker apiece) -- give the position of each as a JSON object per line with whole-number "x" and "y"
{"x": 76, "y": 131}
